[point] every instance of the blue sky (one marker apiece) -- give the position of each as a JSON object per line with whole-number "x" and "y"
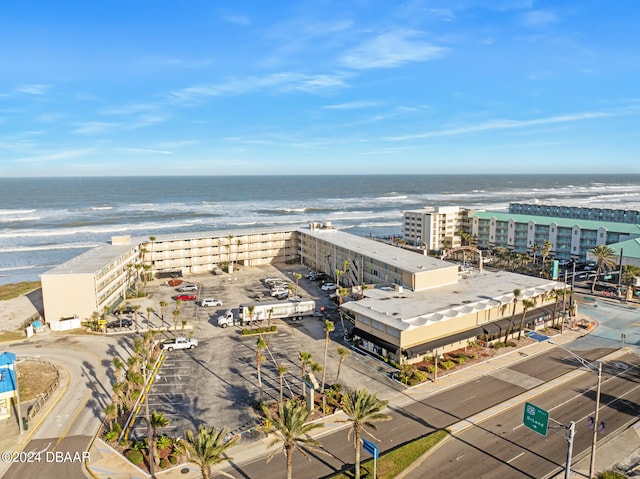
{"x": 306, "y": 87}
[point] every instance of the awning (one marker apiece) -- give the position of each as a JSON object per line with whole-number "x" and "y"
{"x": 392, "y": 348}
{"x": 438, "y": 343}
{"x": 491, "y": 329}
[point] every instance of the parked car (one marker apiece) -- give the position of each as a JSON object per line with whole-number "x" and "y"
{"x": 179, "y": 343}
{"x": 124, "y": 322}
{"x": 188, "y": 287}
{"x": 187, "y": 297}
{"x": 206, "y": 302}
{"x": 278, "y": 291}
{"x": 329, "y": 286}
{"x": 125, "y": 310}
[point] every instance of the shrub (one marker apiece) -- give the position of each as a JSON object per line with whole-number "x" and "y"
{"x": 134, "y": 456}
{"x": 511, "y": 344}
{"x": 110, "y": 436}
{"x": 249, "y": 331}
{"x": 462, "y": 356}
{"x": 163, "y": 442}
{"x": 459, "y": 360}
{"x": 117, "y": 427}
{"x": 611, "y": 475}
{"x": 448, "y": 364}
{"x": 164, "y": 463}
{"x": 498, "y": 345}
{"x": 173, "y": 459}
{"x": 431, "y": 369}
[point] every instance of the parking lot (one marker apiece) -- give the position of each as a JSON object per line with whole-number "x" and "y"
{"x": 216, "y": 383}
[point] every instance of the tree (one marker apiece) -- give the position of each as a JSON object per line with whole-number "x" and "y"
{"x": 250, "y": 312}
{"x": 156, "y": 421}
{"x": 150, "y": 311}
{"x": 290, "y": 428}
{"x": 207, "y": 448}
{"x": 328, "y": 327}
{"x": 526, "y": 305}
{"x": 176, "y": 313}
{"x": 343, "y": 353}
{"x": 282, "y": 369}
{"x": 111, "y": 413}
{"x": 605, "y": 258}
{"x": 163, "y": 306}
{"x": 363, "y": 410}
{"x": 136, "y": 308}
{"x": 338, "y": 274}
{"x": 297, "y": 276}
{"x": 546, "y": 249}
{"x": 260, "y": 345}
{"x": 516, "y": 295}
{"x": 345, "y": 267}
{"x": 269, "y": 314}
{"x": 305, "y": 360}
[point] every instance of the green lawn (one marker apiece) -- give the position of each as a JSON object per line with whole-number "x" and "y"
{"x": 397, "y": 460}
{"x": 10, "y": 291}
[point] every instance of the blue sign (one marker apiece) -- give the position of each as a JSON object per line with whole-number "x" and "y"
{"x": 371, "y": 448}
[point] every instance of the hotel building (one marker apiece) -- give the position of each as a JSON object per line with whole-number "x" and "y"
{"x": 435, "y": 228}
{"x": 576, "y": 212}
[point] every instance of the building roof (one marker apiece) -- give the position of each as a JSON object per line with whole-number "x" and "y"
{"x": 7, "y": 380}
{"x": 92, "y": 261}
{"x": 562, "y": 222}
{"x": 405, "y": 260}
{"x": 409, "y": 310}
{"x": 7, "y": 358}
{"x": 193, "y": 235}
{"x": 630, "y": 248}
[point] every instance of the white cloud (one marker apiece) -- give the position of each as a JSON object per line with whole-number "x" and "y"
{"x": 391, "y": 49}
{"x": 353, "y": 105}
{"x": 503, "y": 125}
{"x": 33, "y": 89}
{"x": 285, "y": 81}
{"x": 93, "y": 127}
{"x": 538, "y": 18}
{"x": 61, "y": 155}
{"x": 237, "y": 20}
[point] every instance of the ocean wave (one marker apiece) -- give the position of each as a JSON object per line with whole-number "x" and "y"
{"x": 16, "y": 212}
{"x": 50, "y": 247}
{"x": 98, "y": 208}
{"x": 31, "y": 266}
{"x": 18, "y": 219}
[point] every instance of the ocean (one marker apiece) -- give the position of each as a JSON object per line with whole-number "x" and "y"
{"x": 47, "y": 221}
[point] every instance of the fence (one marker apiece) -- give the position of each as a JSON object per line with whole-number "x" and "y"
{"x": 42, "y": 398}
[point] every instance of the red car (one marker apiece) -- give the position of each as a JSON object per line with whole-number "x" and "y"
{"x": 187, "y": 297}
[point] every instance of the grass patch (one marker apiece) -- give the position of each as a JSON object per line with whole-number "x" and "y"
{"x": 397, "y": 460}
{"x": 6, "y": 336}
{"x": 10, "y": 291}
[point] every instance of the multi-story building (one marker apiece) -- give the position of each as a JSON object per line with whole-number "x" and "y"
{"x": 569, "y": 238}
{"x": 435, "y": 228}
{"x": 576, "y": 212}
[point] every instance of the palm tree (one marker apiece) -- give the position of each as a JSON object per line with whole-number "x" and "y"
{"x": 546, "y": 249}
{"x": 297, "y": 276}
{"x": 269, "y": 314}
{"x": 363, "y": 409}
{"x": 290, "y": 427}
{"x": 343, "y": 353}
{"x": 345, "y": 266}
{"x": 150, "y": 310}
{"x": 163, "y": 306}
{"x": 260, "y": 345}
{"x": 207, "y": 448}
{"x": 526, "y": 305}
{"x": 250, "y": 312}
{"x": 176, "y": 313}
{"x": 338, "y": 274}
{"x": 305, "y": 359}
{"x": 605, "y": 260}
{"x": 110, "y": 413}
{"x": 516, "y": 295}
{"x": 282, "y": 369}
{"x": 136, "y": 308}
{"x": 157, "y": 421}
{"x": 328, "y": 327}
{"x": 316, "y": 368}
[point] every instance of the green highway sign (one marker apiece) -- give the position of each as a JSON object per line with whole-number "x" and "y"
{"x": 536, "y": 418}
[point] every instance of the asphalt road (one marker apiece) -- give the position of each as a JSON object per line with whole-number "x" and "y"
{"x": 441, "y": 410}
{"x": 503, "y": 447}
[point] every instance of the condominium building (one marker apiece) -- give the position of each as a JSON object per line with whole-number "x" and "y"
{"x": 569, "y": 238}
{"x": 576, "y": 212}
{"x": 435, "y": 228}
{"x": 358, "y": 260}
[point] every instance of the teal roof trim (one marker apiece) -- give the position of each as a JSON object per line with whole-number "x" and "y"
{"x": 625, "y": 228}
{"x": 630, "y": 248}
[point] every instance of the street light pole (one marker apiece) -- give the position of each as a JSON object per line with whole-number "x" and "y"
{"x": 592, "y": 464}
{"x": 590, "y": 367}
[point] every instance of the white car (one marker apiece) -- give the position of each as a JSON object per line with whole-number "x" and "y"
{"x": 209, "y": 302}
{"x": 329, "y": 286}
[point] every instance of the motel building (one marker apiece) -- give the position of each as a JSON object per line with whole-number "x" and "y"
{"x": 413, "y": 304}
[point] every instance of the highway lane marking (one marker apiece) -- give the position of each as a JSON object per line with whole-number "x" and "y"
{"x": 73, "y": 420}
{"x": 514, "y": 458}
